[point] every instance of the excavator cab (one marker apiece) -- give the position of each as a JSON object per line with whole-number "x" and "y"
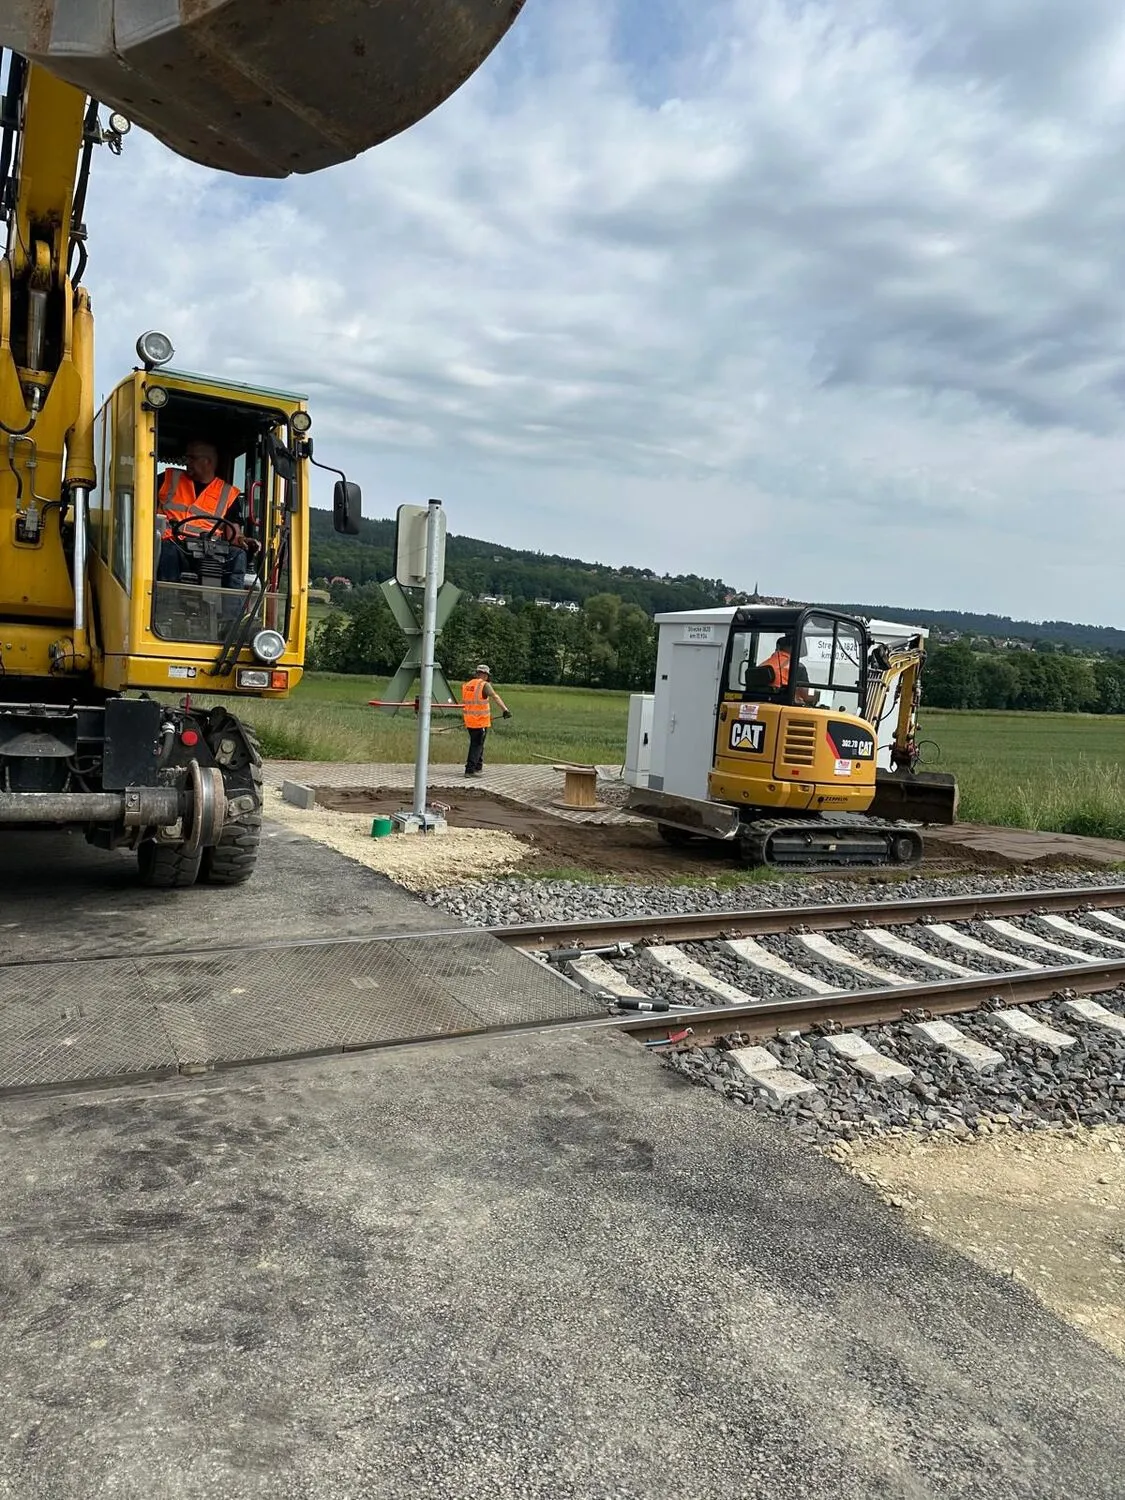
{"x": 790, "y": 731}
{"x": 209, "y": 595}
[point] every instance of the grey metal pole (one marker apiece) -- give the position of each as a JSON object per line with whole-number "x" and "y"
{"x": 429, "y": 636}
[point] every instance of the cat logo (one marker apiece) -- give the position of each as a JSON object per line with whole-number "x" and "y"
{"x": 747, "y": 735}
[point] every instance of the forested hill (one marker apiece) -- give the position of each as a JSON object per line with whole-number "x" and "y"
{"x": 518, "y": 576}
{"x": 998, "y": 627}
{"x": 487, "y": 568}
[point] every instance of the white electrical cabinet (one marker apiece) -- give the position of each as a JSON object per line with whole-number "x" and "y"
{"x": 689, "y": 660}
{"x": 638, "y": 741}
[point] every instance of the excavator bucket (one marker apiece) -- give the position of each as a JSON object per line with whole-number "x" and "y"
{"x": 918, "y": 796}
{"x": 264, "y": 88}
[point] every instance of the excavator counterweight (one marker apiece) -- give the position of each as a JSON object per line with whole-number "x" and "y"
{"x": 262, "y": 88}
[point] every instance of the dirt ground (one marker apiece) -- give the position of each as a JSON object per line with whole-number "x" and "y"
{"x": 630, "y": 850}
{"x": 1047, "y": 1209}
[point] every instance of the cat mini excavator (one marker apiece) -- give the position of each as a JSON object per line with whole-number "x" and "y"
{"x": 802, "y": 701}
{"x": 101, "y": 644}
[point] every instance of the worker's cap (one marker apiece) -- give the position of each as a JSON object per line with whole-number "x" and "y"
{"x": 483, "y": 671}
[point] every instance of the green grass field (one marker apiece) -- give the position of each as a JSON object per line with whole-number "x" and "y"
{"x": 1052, "y": 771}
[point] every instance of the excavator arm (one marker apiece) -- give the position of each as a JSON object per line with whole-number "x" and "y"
{"x": 905, "y": 792}
{"x": 264, "y": 88}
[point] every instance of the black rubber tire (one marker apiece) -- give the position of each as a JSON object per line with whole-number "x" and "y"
{"x": 165, "y": 867}
{"x": 904, "y": 849}
{"x": 674, "y": 836}
{"x": 232, "y": 860}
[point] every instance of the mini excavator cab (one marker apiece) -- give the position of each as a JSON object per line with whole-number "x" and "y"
{"x": 791, "y": 733}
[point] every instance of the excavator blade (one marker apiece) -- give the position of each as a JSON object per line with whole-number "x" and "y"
{"x": 264, "y": 88}
{"x": 917, "y": 796}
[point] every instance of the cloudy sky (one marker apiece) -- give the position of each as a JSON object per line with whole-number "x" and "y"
{"x": 830, "y": 296}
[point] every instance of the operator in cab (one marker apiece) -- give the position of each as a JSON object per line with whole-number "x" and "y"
{"x": 195, "y": 498}
{"x": 779, "y": 665}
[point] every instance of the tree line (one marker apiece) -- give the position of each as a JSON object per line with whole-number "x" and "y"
{"x": 958, "y": 677}
{"x": 480, "y": 567}
{"x": 610, "y": 643}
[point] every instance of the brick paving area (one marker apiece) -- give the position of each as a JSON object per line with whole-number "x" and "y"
{"x": 1025, "y": 844}
{"x": 538, "y": 786}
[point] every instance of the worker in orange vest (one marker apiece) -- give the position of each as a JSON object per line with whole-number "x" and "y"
{"x": 196, "y": 498}
{"x": 778, "y": 663}
{"x": 477, "y": 697}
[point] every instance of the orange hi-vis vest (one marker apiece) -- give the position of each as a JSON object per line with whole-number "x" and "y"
{"x": 478, "y": 712}
{"x": 778, "y": 664}
{"x": 198, "y": 512}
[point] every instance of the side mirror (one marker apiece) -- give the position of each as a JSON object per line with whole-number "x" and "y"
{"x": 346, "y": 507}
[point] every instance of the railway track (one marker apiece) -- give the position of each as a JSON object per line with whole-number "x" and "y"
{"x": 837, "y": 1016}
{"x": 917, "y": 959}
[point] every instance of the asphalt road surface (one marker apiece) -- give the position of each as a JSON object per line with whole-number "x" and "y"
{"x": 529, "y": 1266}
{"x": 60, "y": 898}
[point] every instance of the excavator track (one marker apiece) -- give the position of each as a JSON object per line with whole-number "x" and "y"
{"x": 789, "y": 844}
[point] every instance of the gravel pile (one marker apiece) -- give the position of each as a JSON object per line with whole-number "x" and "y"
{"x": 1033, "y": 1089}
{"x": 506, "y": 901}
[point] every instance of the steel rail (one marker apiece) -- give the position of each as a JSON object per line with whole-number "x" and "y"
{"x": 537, "y": 937}
{"x": 770, "y": 1018}
{"x": 699, "y": 926}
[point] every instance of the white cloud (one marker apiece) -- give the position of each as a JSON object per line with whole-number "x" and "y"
{"x": 822, "y": 295}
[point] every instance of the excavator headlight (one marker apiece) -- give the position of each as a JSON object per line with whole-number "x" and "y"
{"x": 154, "y": 349}
{"x": 156, "y": 397}
{"x": 120, "y": 124}
{"x": 300, "y": 422}
{"x": 268, "y": 645}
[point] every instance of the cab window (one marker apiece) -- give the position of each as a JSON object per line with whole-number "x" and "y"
{"x": 832, "y": 658}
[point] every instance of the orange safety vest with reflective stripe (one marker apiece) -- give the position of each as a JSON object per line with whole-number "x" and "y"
{"x": 477, "y": 710}
{"x": 198, "y": 512}
{"x": 778, "y": 664}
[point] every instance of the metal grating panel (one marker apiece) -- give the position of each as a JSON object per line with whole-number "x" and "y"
{"x": 70, "y": 1023}
{"x": 502, "y": 987}
{"x": 87, "y": 1021}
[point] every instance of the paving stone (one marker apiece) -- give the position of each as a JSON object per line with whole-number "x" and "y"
{"x": 298, "y": 794}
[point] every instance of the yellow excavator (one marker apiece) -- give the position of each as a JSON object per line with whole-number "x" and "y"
{"x": 114, "y": 607}
{"x": 805, "y": 698}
